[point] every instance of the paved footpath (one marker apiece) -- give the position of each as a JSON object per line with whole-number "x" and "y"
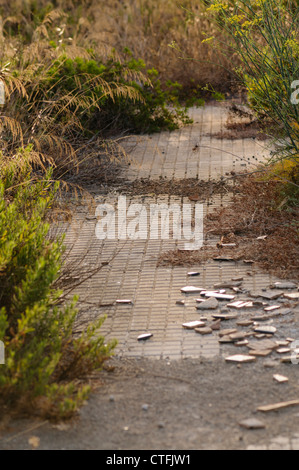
{"x": 132, "y": 272}
{"x": 129, "y": 267}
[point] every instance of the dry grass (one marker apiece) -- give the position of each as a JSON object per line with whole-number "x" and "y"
{"x": 148, "y": 28}
{"x": 254, "y": 212}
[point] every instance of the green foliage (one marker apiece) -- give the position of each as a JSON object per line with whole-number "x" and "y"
{"x": 264, "y": 33}
{"x": 121, "y": 94}
{"x": 42, "y": 357}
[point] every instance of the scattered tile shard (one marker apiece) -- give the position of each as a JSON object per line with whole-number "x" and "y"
{"x": 262, "y": 344}
{"x": 282, "y": 342}
{"x": 259, "y": 335}
{"x": 265, "y": 329}
{"x": 252, "y": 423}
{"x": 225, "y": 339}
{"x": 291, "y": 296}
{"x": 204, "y": 331}
{"x": 240, "y": 304}
{"x": 223, "y": 258}
{"x": 260, "y": 318}
{"x": 242, "y": 342}
{"x": 238, "y": 335}
{"x": 191, "y": 289}
{"x": 280, "y": 378}
{"x": 271, "y": 307}
{"x": 294, "y": 358}
{"x": 218, "y": 295}
{"x": 244, "y": 322}
{"x": 227, "y": 331}
{"x": 240, "y": 358}
{"x": 259, "y": 303}
{"x": 283, "y": 350}
{"x": 210, "y": 303}
{"x": 227, "y": 285}
{"x": 193, "y": 324}
{"x": 269, "y": 295}
{"x": 144, "y": 336}
{"x": 260, "y": 352}
{"x": 224, "y": 316}
{"x": 285, "y": 285}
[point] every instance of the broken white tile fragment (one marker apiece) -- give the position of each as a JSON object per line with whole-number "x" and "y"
{"x": 280, "y": 378}
{"x": 191, "y": 289}
{"x": 242, "y": 342}
{"x": 218, "y": 295}
{"x": 240, "y": 358}
{"x": 272, "y": 307}
{"x": 144, "y": 336}
{"x": 283, "y": 350}
{"x": 193, "y": 324}
{"x": 281, "y": 342}
{"x": 265, "y": 329}
{"x": 240, "y": 304}
{"x": 291, "y": 296}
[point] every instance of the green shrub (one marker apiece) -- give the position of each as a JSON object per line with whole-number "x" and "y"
{"x": 121, "y": 94}
{"x": 264, "y": 33}
{"x": 42, "y": 356}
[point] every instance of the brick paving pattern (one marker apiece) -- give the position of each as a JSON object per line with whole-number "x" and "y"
{"x": 132, "y": 272}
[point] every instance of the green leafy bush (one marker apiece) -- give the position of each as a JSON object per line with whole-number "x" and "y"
{"x": 264, "y": 33}
{"x": 117, "y": 94}
{"x": 42, "y": 356}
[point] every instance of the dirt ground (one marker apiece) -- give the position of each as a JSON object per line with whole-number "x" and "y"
{"x": 191, "y": 404}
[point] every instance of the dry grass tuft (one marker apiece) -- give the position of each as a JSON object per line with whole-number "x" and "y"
{"x": 254, "y": 212}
